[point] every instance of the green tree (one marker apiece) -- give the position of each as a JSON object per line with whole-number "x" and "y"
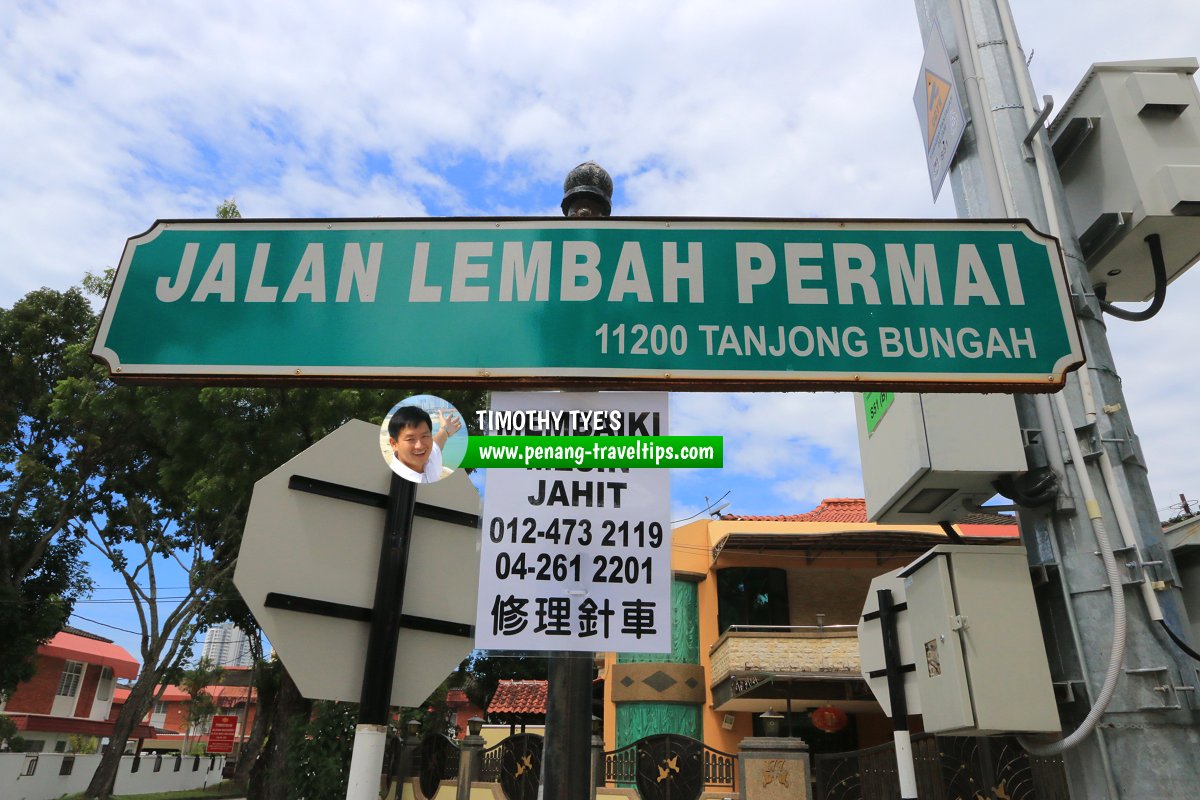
{"x": 46, "y": 464}
{"x": 172, "y": 471}
{"x": 201, "y": 705}
{"x": 9, "y": 738}
{"x": 81, "y": 744}
{"x": 320, "y": 757}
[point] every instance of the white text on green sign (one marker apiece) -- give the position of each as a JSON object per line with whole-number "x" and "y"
{"x": 621, "y": 302}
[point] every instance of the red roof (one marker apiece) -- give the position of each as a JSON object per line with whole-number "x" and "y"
{"x": 91, "y": 651}
{"x": 172, "y": 694}
{"x": 224, "y": 695}
{"x": 854, "y": 509}
{"x": 231, "y": 695}
{"x": 88, "y": 727}
{"x": 834, "y": 509}
{"x": 519, "y": 697}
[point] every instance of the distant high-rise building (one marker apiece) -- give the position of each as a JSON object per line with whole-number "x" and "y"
{"x": 226, "y": 645}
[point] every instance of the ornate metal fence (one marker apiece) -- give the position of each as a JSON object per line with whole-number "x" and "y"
{"x": 435, "y": 761}
{"x": 670, "y": 767}
{"x": 947, "y": 767}
{"x": 516, "y": 764}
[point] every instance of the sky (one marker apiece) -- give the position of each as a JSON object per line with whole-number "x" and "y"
{"x": 118, "y": 113}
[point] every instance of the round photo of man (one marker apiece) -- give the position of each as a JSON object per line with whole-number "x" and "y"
{"x": 423, "y": 438}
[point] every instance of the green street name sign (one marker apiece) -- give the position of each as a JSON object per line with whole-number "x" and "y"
{"x": 649, "y": 302}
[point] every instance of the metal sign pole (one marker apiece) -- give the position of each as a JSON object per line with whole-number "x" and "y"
{"x": 905, "y": 769}
{"x": 370, "y": 736}
{"x": 587, "y": 192}
{"x": 1117, "y": 743}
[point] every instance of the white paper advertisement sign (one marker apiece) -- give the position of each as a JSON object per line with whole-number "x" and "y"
{"x": 576, "y": 559}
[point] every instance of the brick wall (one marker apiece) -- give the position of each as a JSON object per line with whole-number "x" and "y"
{"x": 36, "y": 696}
{"x": 785, "y": 652}
{"x": 176, "y": 717}
{"x": 87, "y": 690}
{"x": 838, "y": 594}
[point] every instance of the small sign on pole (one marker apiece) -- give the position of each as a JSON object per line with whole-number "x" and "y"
{"x": 220, "y": 735}
{"x": 577, "y": 560}
{"x": 939, "y": 110}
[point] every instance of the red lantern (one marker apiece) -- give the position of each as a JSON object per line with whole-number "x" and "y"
{"x": 830, "y": 719}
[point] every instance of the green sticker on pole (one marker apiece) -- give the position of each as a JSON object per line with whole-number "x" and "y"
{"x": 876, "y": 405}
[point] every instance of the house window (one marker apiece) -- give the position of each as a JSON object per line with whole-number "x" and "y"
{"x": 68, "y": 684}
{"x": 160, "y": 707}
{"x": 104, "y": 689}
{"x": 751, "y": 596}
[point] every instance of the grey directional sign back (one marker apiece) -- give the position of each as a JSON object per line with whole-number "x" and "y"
{"x": 319, "y": 541}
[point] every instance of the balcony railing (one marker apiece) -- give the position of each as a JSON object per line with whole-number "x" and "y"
{"x": 830, "y": 650}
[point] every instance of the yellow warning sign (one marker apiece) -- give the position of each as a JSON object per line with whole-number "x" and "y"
{"x": 939, "y": 111}
{"x": 937, "y": 94}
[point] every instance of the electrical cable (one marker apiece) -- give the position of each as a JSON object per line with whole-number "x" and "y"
{"x": 1116, "y": 590}
{"x": 1178, "y": 641}
{"x": 1160, "y": 287}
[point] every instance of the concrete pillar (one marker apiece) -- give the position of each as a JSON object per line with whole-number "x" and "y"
{"x": 409, "y": 745}
{"x": 470, "y": 758}
{"x": 773, "y": 768}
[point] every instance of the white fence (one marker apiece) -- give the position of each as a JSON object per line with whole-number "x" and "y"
{"x": 45, "y": 776}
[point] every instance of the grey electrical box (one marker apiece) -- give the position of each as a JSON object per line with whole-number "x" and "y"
{"x": 929, "y": 458}
{"x": 1127, "y": 144}
{"x": 981, "y": 665}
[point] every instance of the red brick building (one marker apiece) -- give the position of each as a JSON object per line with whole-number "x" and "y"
{"x": 72, "y": 692}
{"x": 168, "y": 716}
{"x": 459, "y": 709}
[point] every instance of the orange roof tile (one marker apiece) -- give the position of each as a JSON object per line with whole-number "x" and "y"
{"x": 834, "y": 509}
{"x": 174, "y": 694}
{"x": 519, "y": 697}
{"x": 854, "y": 509}
{"x": 91, "y": 650}
{"x": 224, "y": 695}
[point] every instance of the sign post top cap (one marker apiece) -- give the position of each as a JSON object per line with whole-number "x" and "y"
{"x": 588, "y": 178}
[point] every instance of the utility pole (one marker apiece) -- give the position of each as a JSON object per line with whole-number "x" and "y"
{"x": 566, "y": 759}
{"x": 1131, "y": 726}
